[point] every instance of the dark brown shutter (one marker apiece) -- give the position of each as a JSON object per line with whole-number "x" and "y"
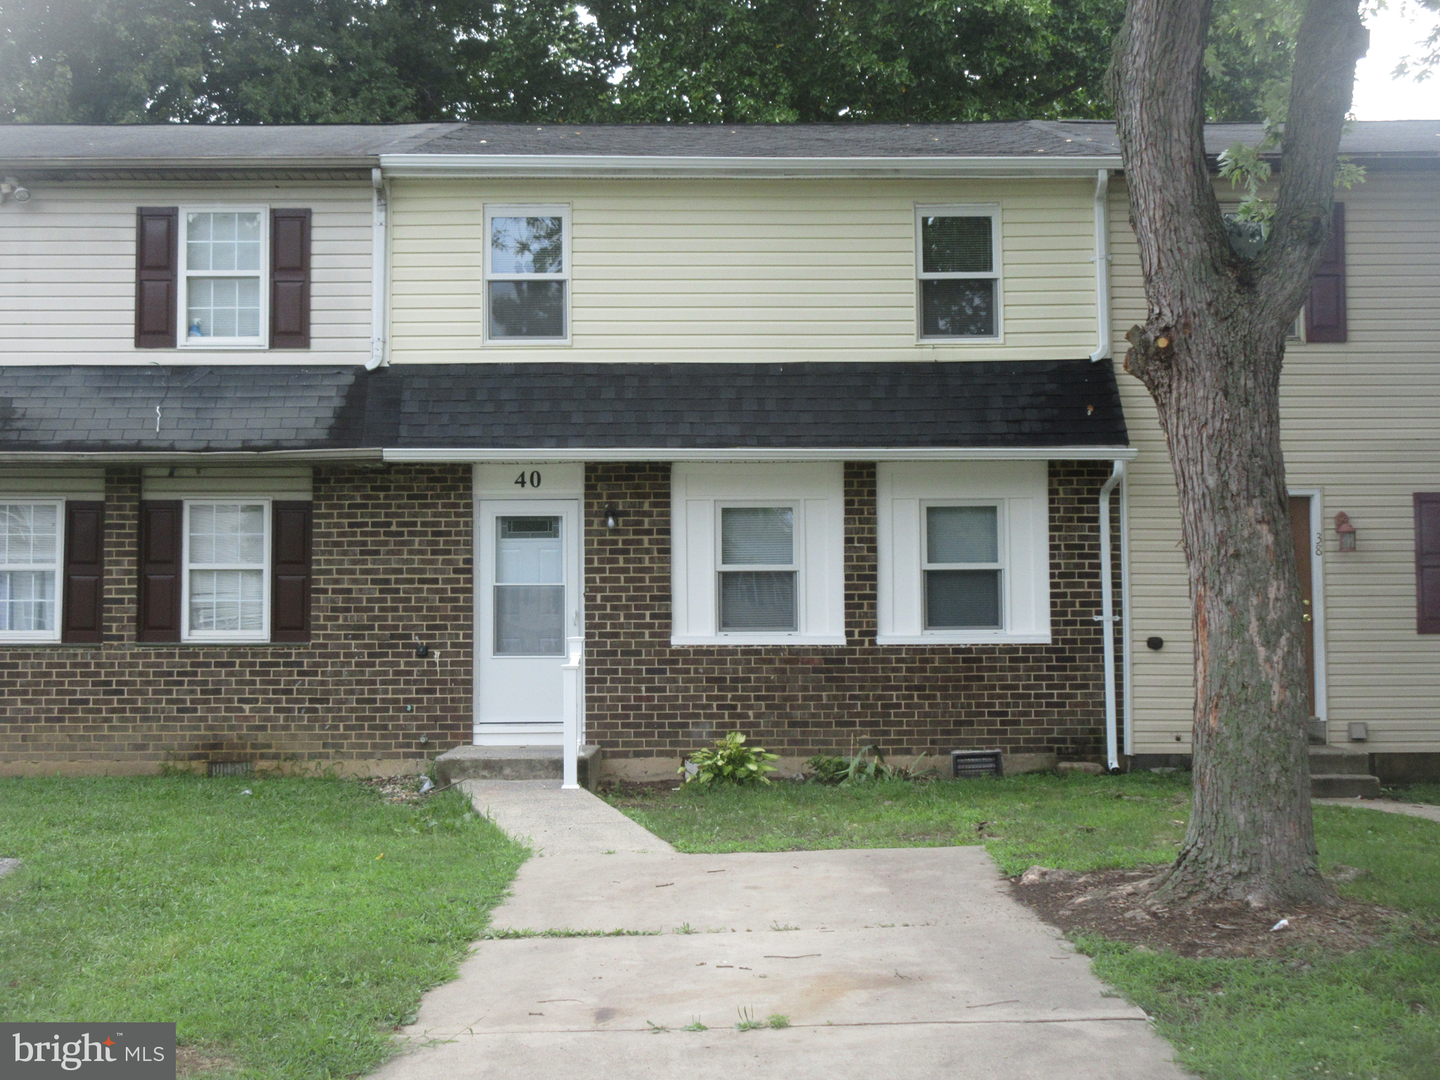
{"x": 1325, "y": 310}
{"x": 156, "y": 276}
{"x": 160, "y": 544}
{"x": 1427, "y": 562}
{"x": 84, "y": 571}
{"x": 289, "y": 279}
{"x": 290, "y": 571}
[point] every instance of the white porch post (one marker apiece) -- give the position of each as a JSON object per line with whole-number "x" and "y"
{"x": 571, "y": 704}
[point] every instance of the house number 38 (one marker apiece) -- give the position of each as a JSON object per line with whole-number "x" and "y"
{"x": 530, "y": 479}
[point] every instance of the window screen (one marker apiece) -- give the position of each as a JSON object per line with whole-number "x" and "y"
{"x": 958, "y": 276}
{"x": 226, "y": 566}
{"x": 761, "y": 539}
{"x": 29, "y": 567}
{"x": 962, "y": 568}
{"x": 527, "y": 277}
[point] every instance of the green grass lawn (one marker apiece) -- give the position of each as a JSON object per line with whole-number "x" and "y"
{"x": 1368, "y": 1014}
{"x": 286, "y": 931}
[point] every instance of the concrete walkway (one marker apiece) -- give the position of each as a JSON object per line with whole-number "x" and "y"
{"x": 1421, "y": 810}
{"x": 907, "y": 964}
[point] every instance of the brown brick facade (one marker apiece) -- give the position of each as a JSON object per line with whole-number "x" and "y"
{"x": 391, "y": 568}
{"x": 647, "y": 698}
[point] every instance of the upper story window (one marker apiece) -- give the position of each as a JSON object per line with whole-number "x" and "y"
{"x": 527, "y": 274}
{"x": 30, "y": 569}
{"x": 223, "y": 268}
{"x": 958, "y": 272}
{"x": 222, "y": 277}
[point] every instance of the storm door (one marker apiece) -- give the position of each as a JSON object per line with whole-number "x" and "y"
{"x": 528, "y": 604}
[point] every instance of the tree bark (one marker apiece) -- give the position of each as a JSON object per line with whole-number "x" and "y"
{"x": 1210, "y": 354}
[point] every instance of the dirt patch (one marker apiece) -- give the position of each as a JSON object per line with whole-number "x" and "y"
{"x": 194, "y": 1061}
{"x": 396, "y": 789}
{"x": 1110, "y": 903}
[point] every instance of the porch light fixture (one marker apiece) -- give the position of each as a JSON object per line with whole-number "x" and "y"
{"x": 612, "y": 516}
{"x": 10, "y": 189}
{"x": 1345, "y": 531}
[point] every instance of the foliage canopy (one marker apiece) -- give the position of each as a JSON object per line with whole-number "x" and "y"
{"x": 689, "y": 61}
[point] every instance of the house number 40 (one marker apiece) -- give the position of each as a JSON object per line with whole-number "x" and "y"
{"x": 530, "y": 479}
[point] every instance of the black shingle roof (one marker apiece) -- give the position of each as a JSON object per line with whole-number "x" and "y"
{"x": 835, "y": 405}
{"x": 531, "y": 407}
{"x": 113, "y": 409}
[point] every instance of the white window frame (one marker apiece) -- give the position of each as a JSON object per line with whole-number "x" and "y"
{"x": 927, "y": 565}
{"x": 990, "y": 210}
{"x": 814, "y": 491}
{"x": 560, "y": 210}
{"x": 795, "y": 565}
{"x": 188, "y": 634}
{"x": 52, "y": 635}
{"x": 1020, "y": 492}
{"x": 185, "y": 274}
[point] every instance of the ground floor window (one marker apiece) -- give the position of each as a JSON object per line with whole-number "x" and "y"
{"x": 30, "y": 570}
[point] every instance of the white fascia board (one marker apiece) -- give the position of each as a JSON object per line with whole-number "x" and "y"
{"x": 596, "y": 165}
{"x": 661, "y": 453}
{"x": 187, "y": 457}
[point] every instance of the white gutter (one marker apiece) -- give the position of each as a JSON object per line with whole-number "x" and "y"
{"x": 465, "y": 455}
{"x": 1106, "y": 618}
{"x": 618, "y": 165}
{"x": 1126, "y": 638}
{"x": 379, "y": 265}
{"x": 1102, "y": 265}
{"x": 188, "y": 457}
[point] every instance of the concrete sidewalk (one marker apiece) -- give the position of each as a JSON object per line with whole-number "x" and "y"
{"x": 908, "y": 964}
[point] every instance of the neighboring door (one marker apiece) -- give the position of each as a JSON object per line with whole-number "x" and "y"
{"x": 528, "y": 604}
{"x": 1304, "y": 560}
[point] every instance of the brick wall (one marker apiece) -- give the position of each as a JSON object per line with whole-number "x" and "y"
{"x": 647, "y": 698}
{"x": 391, "y": 566}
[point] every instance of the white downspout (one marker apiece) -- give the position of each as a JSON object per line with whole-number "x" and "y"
{"x": 1102, "y": 265}
{"x": 1126, "y": 640}
{"x": 1106, "y": 618}
{"x": 379, "y": 262}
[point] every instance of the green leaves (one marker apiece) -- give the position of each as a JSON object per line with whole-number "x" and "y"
{"x": 729, "y": 761}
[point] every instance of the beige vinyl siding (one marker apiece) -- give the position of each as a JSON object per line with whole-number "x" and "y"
{"x": 68, "y": 273}
{"x": 741, "y": 270}
{"x": 1359, "y": 423}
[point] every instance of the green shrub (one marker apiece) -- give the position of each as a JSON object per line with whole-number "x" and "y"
{"x": 868, "y": 764}
{"x": 729, "y": 761}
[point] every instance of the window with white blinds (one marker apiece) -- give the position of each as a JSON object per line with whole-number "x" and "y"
{"x": 227, "y": 568}
{"x": 757, "y": 568}
{"x": 30, "y": 567}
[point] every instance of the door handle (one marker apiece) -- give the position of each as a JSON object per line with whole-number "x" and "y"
{"x": 1305, "y": 618}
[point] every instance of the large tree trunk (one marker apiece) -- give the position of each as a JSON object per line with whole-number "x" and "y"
{"x": 1210, "y": 354}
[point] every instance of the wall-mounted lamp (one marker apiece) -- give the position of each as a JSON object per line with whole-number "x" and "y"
{"x": 10, "y": 189}
{"x": 612, "y": 516}
{"x": 1345, "y": 531}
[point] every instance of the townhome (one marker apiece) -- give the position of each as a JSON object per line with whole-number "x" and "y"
{"x": 343, "y": 447}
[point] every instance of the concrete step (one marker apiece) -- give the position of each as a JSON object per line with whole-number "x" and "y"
{"x": 1343, "y": 786}
{"x": 1339, "y": 761}
{"x": 514, "y": 763}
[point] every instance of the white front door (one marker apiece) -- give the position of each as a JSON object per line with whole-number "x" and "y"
{"x": 528, "y": 604}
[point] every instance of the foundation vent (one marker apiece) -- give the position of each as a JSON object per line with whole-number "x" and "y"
{"x": 968, "y": 764}
{"x": 229, "y": 768}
